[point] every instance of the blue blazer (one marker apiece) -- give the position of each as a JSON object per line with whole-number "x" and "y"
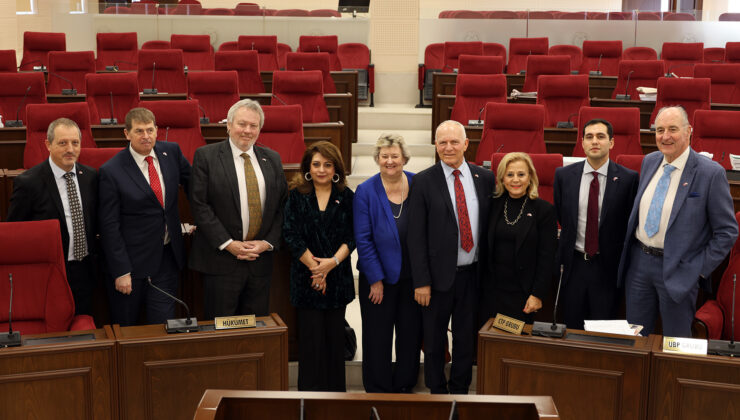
{"x": 702, "y": 227}
{"x": 376, "y": 234}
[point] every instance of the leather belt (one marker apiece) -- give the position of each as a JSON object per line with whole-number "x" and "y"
{"x": 655, "y": 252}
{"x": 585, "y": 256}
{"x": 468, "y": 267}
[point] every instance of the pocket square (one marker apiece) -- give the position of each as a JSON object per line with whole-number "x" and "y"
{"x": 694, "y": 194}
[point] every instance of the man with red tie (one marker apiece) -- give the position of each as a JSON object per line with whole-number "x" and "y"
{"x": 140, "y": 222}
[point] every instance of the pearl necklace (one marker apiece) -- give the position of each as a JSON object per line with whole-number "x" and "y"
{"x": 521, "y": 211}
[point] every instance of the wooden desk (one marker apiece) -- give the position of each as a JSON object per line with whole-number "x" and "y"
{"x": 247, "y": 405}
{"x": 164, "y": 376}
{"x": 60, "y": 380}
{"x": 587, "y": 380}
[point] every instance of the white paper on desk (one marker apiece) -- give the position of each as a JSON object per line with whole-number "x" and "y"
{"x": 516, "y": 94}
{"x": 735, "y": 160}
{"x": 613, "y": 326}
{"x": 648, "y": 97}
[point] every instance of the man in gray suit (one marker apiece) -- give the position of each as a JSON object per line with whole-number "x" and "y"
{"x": 237, "y": 195}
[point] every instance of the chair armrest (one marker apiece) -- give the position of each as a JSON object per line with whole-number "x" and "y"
{"x": 371, "y": 78}
{"x": 710, "y": 314}
{"x": 422, "y": 71}
{"x": 82, "y": 322}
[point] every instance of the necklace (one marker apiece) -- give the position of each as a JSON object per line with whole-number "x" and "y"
{"x": 402, "y": 197}
{"x": 506, "y": 207}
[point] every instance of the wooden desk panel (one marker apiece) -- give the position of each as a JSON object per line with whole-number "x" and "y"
{"x": 586, "y": 380}
{"x": 4, "y": 196}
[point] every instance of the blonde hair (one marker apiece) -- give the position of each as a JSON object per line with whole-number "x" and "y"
{"x": 534, "y": 182}
{"x": 390, "y": 140}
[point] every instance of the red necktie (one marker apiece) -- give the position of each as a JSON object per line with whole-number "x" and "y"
{"x": 466, "y": 236}
{"x": 154, "y": 180}
{"x": 592, "y": 217}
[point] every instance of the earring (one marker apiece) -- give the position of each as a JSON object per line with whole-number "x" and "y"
{"x": 335, "y": 178}
{"x": 307, "y": 176}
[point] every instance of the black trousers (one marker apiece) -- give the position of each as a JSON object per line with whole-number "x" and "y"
{"x": 321, "y": 350}
{"x": 238, "y": 293}
{"x": 460, "y": 303}
{"x": 398, "y": 309}
{"x": 82, "y": 281}
{"x": 588, "y": 294}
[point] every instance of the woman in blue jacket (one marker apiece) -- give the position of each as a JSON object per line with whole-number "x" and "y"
{"x": 385, "y": 288}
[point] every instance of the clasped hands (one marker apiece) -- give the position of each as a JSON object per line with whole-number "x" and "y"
{"x": 247, "y": 250}
{"x": 319, "y": 272}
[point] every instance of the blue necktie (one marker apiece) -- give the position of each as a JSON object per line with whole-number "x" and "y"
{"x": 656, "y": 205}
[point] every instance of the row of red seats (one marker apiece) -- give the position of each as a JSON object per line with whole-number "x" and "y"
{"x": 553, "y": 14}
{"x": 241, "y": 9}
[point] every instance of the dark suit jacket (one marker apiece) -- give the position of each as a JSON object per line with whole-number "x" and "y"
{"x": 36, "y": 197}
{"x": 214, "y": 203}
{"x": 621, "y": 187}
{"x": 132, "y": 222}
{"x": 433, "y": 231}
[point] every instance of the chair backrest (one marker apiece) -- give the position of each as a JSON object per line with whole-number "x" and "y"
{"x": 596, "y": 15}
{"x": 186, "y": 9}
{"x": 732, "y": 52}
{"x": 501, "y": 14}
{"x": 572, "y": 16}
{"x": 13, "y": 88}
{"x": 725, "y": 292}
{"x": 118, "y": 49}
{"x": 117, "y": 9}
{"x": 120, "y": 88}
{"x": 304, "y": 88}
{"x": 36, "y": 47}
{"x": 512, "y": 128}
{"x": 40, "y": 116}
{"x": 678, "y": 16}
{"x": 353, "y": 55}
{"x": 326, "y": 44}
{"x": 300, "y": 61}
{"x": 179, "y": 122}
{"x": 716, "y": 132}
{"x": 603, "y": 56}
{"x": 246, "y": 64}
{"x": 244, "y": 9}
{"x": 626, "y": 124}
{"x": 292, "y": 12}
{"x": 434, "y": 56}
{"x": 228, "y": 46}
{"x": 521, "y": 48}
{"x": 633, "y": 162}
{"x": 639, "y": 53}
{"x": 96, "y": 157}
{"x": 648, "y": 16}
{"x": 562, "y": 97}
{"x": 572, "y": 51}
{"x": 729, "y": 17}
{"x": 197, "y": 52}
{"x": 495, "y": 49}
{"x": 641, "y": 73}
{"x": 266, "y": 47}
{"x": 480, "y": 64}
{"x": 324, "y": 13}
{"x": 215, "y": 91}
{"x": 620, "y": 15}
{"x": 545, "y": 165}
{"x": 680, "y": 57}
{"x": 467, "y": 14}
{"x": 692, "y": 94}
{"x": 169, "y": 75}
{"x": 725, "y": 81}
{"x": 537, "y": 14}
{"x": 544, "y": 64}
{"x": 714, "y": 55}
{"x": 283, "y": 131}
{"x": 144, "y": 8}
{"x": 218, "y": 11}
{"x": 42, "y": 299}
{"x": 8, "y": 63}
{"x": 473, "y": 92}
{"x": 156, "y": 44}
{"x": 70, "y": 65}
{"x": 453, "y": 50}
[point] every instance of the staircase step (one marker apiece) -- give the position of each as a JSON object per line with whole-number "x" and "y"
{"x": 394, "y": 117}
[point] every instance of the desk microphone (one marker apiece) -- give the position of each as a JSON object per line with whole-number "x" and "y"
{"x": 11, "y": 339}
{"x": 626, "y": 96}
{"x": 204, "y": 119}
{"x": 114, "y": 67}
{"x": 153, "y": 90}
{"x": 500, "y": 146}
{"x": 453, "y": 411}
{"x": 166, "y": 133}
{"x": 566, "y": 124}
{"x": 478, "y": 122}
{"x": 547, "y": 329}
{"x": 670, "y": 73}
{"x": 71, "y": 90}
{"x": 724, "y": 347}
{"x": 17, "y": 122}
{"x": 42, "y": 67}
{"x": 597, "y": 72}
{"x": 112, "y": 120}
{"x": 303, "y": 410}
{"x": 374, "y": 413}
{"x": 278, "y": 98}
{"x": 180, "y": 324}
{"x": 525, "y": 71}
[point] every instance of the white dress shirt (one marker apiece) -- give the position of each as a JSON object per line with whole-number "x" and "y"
{"x": 471, "y": 200}
{"x": 62, "y": 187}
{"x": 144, "y": 168}
{"x": 583, "y": 194}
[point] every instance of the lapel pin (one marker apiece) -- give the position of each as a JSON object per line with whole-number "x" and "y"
{"x": 336, "y": 201}
{"x": 80, "y": 172}
{"x": 264, "y": 160}
{"x": 529, "y": 214}
{"x": 164, "y": 153}
{"x": 685, "y": 184}
{"x": 615, "y": 178}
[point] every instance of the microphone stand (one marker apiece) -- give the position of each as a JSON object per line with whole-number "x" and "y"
{"x": 153, "y": 90}
{"x": 112, "y": 120}
{"x": 547, "y": 329}
{"x": 724, "y": 347}
{"x": 626, "y": 96}
{"x": 597, "y": 72}
{"x": 17, "y": 122}
{"x": 178, "y": 325}
{"x": 11, "y": 339}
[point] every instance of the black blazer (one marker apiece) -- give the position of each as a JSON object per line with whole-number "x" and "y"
{"x": 433, "y": 231}
{"x": 536, "y": 247}
{"x": 36, "y": 197}
{"x": 619, "y": 195}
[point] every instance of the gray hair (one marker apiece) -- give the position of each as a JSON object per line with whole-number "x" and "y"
{"x": 66, "y": 122}
{"x": 249, "y": 104}
{"x": 390, "y": 140}
{"x": 452, "y": 123}
{"x": 681, "y": 111}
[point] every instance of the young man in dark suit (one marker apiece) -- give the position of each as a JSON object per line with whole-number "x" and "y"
{"x": 60, "y": 188}
{"x": 593, "y": 200}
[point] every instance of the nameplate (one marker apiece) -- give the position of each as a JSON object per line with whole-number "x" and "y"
{"x": 684, "y": 345}
{"x": 239, "y": 321}
{"x": 508, "y": 324}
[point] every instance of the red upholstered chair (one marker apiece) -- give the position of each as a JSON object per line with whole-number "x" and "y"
{"x": 445, "y": 14}
{"x": 537, "y": 14}
{"x": 714, "y": 55}
{"x": 473, "y": 92}
{"x": 96, "y": 157}
{"x": 215, "y": 91}
{"x": 324, "y": 13}
{"x": 680, "y": 57}
{"x": 725, "y": 81}
{"x": 453, "y": 50}
{"x": 480, "y": 64}
{"x": 179, "y": 122}
{"x": 197, "y": 52}
{"x": 678, "y": 16}
{"x": 545, "y": 164}
{"x": 468, "y": 14}
{"x": 292, "y": 12}
{"x": 248, "y": 9}
{"x": 117, "y": 9}
{"x": 716, "y": 132}
{"x": 246, "y": 64}
{"x": 545, "y": 64}
{"x": 433, "y": 62}
{"x": 512, "y": 128}
{"x": 601, "y": 56}
{"x": 626, "y": 124}
{"x": 117, "y": 49}
{"x": 144, "y": 8}
{"x": 70, "y": 65}
{"x": 648, "y": 16}
{"x": 732, "y": 52}
{"x": 620, "y": 15}
{"x": 716, "y": 315}
{"x": 218, "y": 11}
{"x": 633, "y": 162}
{"x": 36, "y": 47}
{"x": 42, "y": 299}
{"x": 186, "y": 9}
{"x": 326, "y": 44}
{"x": 39, "y": 118}
{"x": 156, "y": 44}
{"x": 501, "y": 14}
{"x": 304, "y": 88}
{"x": 639, "y": 53}
{"x": 572, "y": 16}
{"x": 596, "y": 16}
{"x": 282, "y": 53}
{"x": 300, "y": 61}
{"x": 644, "y": 73}
{"x": 562, "y": 97}
{"x": 266, "y": 47}
{"x": 283, "y": 131}
{"x": 692, "y": 94}
{"x": 729, "y": 17}
{"x": 8, "y": 63}
{"x": 572, "y": 51}
{"x": 111, "y": 95}
{"x": 356, "y": 56}
{"x": 228, "y": 46}
{"x": 495, "y": 49}
{"x": 169, "y": 76}
{"x": 521, "y": 48}
{"x": 14, "y": 87}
